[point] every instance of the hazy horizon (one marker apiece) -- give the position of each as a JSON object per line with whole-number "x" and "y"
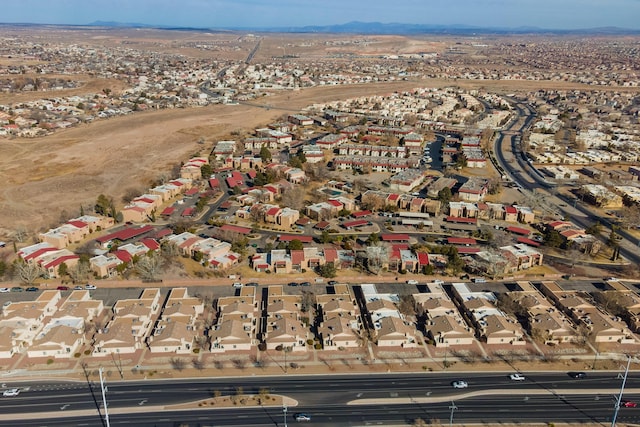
{"x": 543, "y": 14}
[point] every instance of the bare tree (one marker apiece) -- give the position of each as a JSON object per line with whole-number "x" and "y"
{"x": 149, "y": 268}
{"x": 27, "y": 272}
{"x": 81, "y": 272}
{"x": 197, "y": 363}
{"x": 177, "y": 363}
{"x": 294, "y": 198}
{"x": 376, "y": 255}
{"x": 20, "y": 234}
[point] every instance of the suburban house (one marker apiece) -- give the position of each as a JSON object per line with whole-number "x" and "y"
{"x": 175, "y": 331}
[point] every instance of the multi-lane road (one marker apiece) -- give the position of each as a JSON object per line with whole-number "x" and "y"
{"x": 509, "y": 157}
{"x": 380, "y": 399}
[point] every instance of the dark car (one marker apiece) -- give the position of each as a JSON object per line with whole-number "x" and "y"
{"x": 305, "y": 284}
{"x": 577, "y": 375}
{"x": 254, "y": 284}
{"x": 293, "y": 284}
{"x": 62, "y": 288}
{"x": 32, "y": 289}
{"x": 332, "y": 282}
{"x": 17, "y": 289}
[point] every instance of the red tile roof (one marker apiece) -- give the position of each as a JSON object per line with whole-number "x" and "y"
{"x": 330, "y": 255}
{"x": 291, "y": 237}
{"x": 322, "y": 225}
{"x": 78, "y": 224}
{"x": 395, "y": 237}
{"x": 360, "y": 214}
{"x": 468, "y": 250}
{"x": 273, "y": 211}
{"x": 188, "y": 211}
{"x": 335, "y": 203}
{"x": 510, "y": 209}
{"x": 56, "y": 262}
{"x": 39, "y": 252}
{"x": 150, "y": 243}
{"x": 518, "y": 230}
{"x": 168, "y": 211}
{"x": 528, "y": 242}
{"x": 213, "y": 183}
{"x": 297, "y": 257}
{"x": 462, "y": 220}
{"x": 461, "y": 241}
{"x": 235, "y": 229}
{"x": 123, "y": 256}
{"x": 356, "y": 223}
{"x": 423, "y": 258}
{"x": 125, "y": 234}
{"x": 192, "y": 191}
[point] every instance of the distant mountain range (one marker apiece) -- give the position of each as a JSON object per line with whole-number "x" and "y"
{"x": 356, "y": 27}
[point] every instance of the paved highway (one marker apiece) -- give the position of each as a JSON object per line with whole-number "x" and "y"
{"x": 490, "y": 397}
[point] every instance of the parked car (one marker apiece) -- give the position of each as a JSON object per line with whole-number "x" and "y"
{"x": 332, "y": 282}
{"x": 292, "y": 284}
{"x": 460, "y": 384}
{"x": 32, "y": 289}
{"x": 517, "y": 377}
{"x": 254, "y": 284}
{"x": 237, "y": 285}
{"x": 412, "y": 282}
{"x": 78, "y": 288}
{"x": 305, "y": 284}
{"x": 11, "y": 392}
{"x": 17, "y": 289}
{"x": 62, "y": 288}
{"x": 302, "y": 417}
{"x": 90, "y": 287}
{"x": 4, "y": 290}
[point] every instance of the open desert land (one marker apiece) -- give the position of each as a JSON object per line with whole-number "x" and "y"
{"x": 49, "y": 177}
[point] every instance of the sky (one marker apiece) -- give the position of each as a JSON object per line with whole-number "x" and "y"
{"x": 547, "y": 14}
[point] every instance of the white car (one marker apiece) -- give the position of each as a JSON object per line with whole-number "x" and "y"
{"x": 237, "y": 285}
{"x": 460, "y": 384}
{"x": 11, "y": 392}
{"x": 4, "y": 290}
{"x": 412, "y": 282}
{"x": 302, "y": 417}
{"x": 517, "y": 377}
{"x": 90, "y": 287}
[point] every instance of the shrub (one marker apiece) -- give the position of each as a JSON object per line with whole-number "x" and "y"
{"x": 76, "y": 355}
{"x": 318, "y": 346}
{"x": 49, "y": 361}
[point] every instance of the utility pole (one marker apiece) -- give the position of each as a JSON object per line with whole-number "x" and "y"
{"x": 104, "y": 398}
{"x": 453, "y": 407}
{"x": 619, "y": 400}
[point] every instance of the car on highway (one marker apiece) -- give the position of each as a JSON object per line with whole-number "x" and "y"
{"x": 302, "y": 417}
{"x": 11, "y": 392}
{"x": 460, "y": 384}
{"x": 628, "y": 404}
{"x": 4, "y": 290}
{"x": 517, "y": 377}
{"x": 32, "y": 289}
{"x": 577, "y": 375}
{"x": 90, "y": 287}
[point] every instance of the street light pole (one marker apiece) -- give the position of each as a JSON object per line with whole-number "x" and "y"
{"x": 284, "y": 411}
{"x": 453, "y": 407}
{"x": 104, "y": 399}
{"x": 619, "y": 400}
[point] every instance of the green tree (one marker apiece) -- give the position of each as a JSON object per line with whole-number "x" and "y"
{"x": 104, "y": 206}
{"x": 445, "y": 195}
{"x": 553, "y": 239}
{"x": 327, "y": 271}
{"x": 63, "y": 270}
{"x": 295, "y": 244}
{"x": 373, "y": 238}
{"x": 594, "y": 229}
{"x": 265, "y": 154}
{"x": 206, "y": 170}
